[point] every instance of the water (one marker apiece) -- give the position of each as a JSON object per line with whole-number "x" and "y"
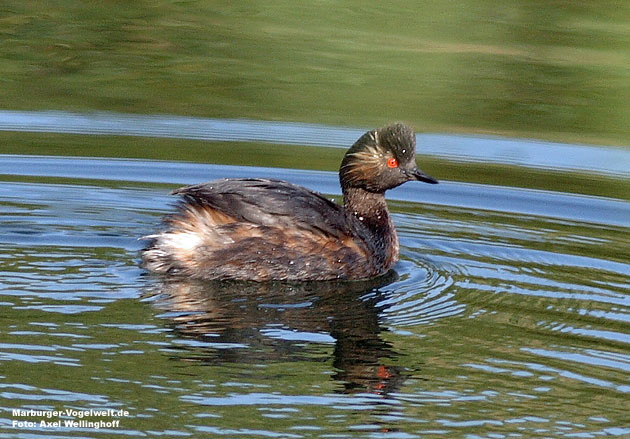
{"x": 488, "y": 149}
{"x": 507, "y": 316}
{"x": 524, "y": 69}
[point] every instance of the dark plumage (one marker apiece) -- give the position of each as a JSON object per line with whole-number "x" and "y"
{"x": 259, "y": 229}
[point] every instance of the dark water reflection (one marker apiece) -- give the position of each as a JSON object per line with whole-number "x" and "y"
{"x": 254, "y": 323}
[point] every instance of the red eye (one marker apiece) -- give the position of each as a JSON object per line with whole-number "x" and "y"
{"x": 392, "y": 163}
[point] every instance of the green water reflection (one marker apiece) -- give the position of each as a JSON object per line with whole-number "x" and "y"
{"x": 556, "y": 70}
{"x": 296, "y": 157}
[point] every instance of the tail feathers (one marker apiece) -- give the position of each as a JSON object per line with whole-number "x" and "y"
{"x": 171, "y": 251}
{"x": 176, "y": 250}
{"x": 157, "y": 260}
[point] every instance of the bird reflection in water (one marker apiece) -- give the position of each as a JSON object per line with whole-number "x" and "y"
{"x": 273, "y": 321}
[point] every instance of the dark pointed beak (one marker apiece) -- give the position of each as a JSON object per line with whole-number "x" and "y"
{"x": 417, "y": 174}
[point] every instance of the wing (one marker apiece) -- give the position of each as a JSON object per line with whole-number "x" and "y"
{"x": 272, "y": 203}
{"x": 258, "y": 229}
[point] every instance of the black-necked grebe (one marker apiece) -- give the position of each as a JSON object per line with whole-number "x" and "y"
{"x": 260, "y": 230}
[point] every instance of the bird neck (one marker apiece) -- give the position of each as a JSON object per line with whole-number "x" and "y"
{"x": 368, "y": 207}
{"x": 371, "y": 209}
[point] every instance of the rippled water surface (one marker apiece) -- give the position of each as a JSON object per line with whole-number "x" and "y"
{"x": 507, "y": 316}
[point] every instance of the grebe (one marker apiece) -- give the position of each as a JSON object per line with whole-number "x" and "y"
{"x": 260, "y": 229}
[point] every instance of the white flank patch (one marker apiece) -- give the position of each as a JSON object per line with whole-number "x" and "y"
{"x": 187, "y": 241}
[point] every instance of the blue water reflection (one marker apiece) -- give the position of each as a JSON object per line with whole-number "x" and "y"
{"x": 536, "y": 154}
